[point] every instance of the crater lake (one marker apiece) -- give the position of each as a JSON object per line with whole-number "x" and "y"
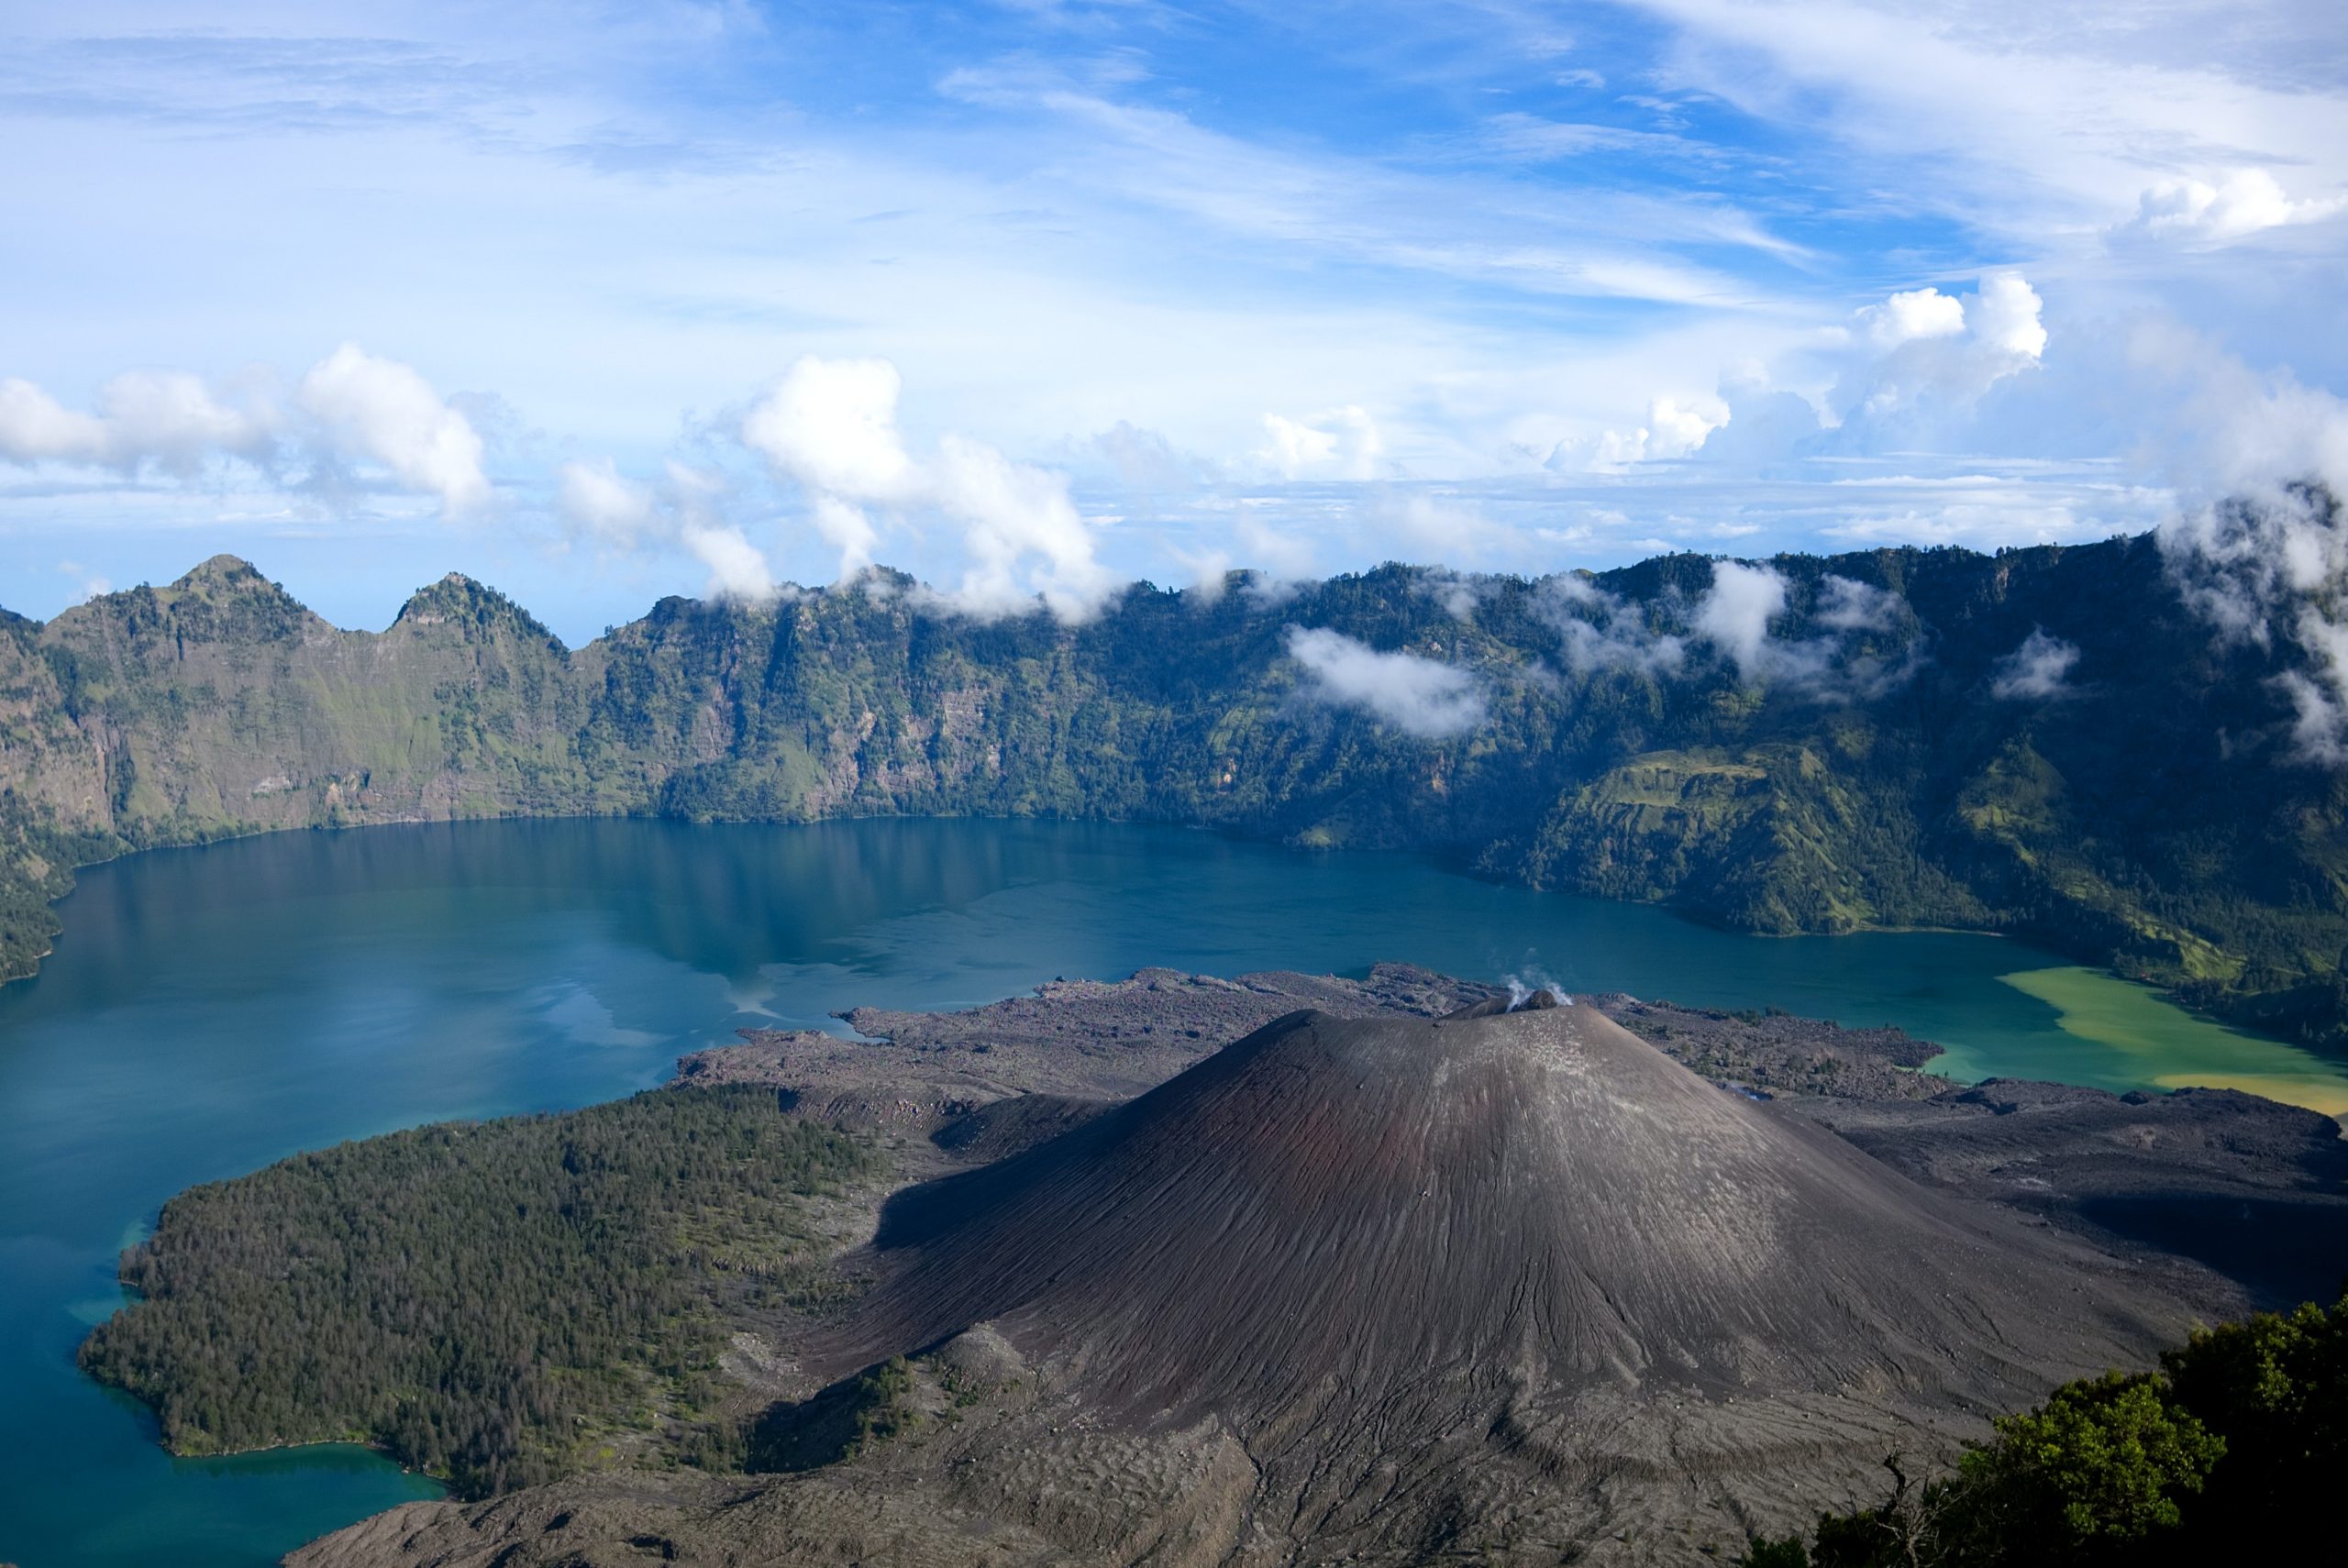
{"x": 209, "y": 1011}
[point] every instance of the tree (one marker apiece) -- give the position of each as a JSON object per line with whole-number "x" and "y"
{"x": 2104, "y": 1461}
{"x": 2226, "y": 1455}
{"x": 2276, "y": 1386}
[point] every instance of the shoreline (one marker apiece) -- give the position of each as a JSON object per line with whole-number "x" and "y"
{"x": 1450, "y": 858}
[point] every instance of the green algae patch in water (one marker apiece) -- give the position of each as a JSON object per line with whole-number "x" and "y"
{"x": 2147, "y": 1042}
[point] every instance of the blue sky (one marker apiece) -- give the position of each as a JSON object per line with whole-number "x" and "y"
{"x": 598, "y": 304}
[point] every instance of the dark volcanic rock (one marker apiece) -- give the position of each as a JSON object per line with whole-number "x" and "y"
{"x": 1094, "y": 1017}
{"x": 1078, "y": 1039}
{"x": 1778, "y": 1053}
{"x": 1432, "y": 1281}
{"x": 1512, "y": 1288}
{"x": 2251, "y": 1190}
{"x": 1537, "y": 1201}
{"x": 1013, "y": 1125}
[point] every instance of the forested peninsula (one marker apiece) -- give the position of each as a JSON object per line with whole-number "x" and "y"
{"x": 495, "y": 1302}
{"x": 2049, "y": 742}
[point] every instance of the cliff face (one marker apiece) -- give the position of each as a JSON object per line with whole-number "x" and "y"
{"x": 1854, "y": 765}
{"x": 238, "y": 709}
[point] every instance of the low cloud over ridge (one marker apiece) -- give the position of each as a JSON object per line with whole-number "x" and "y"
{"x": 1417, "y": 695}
{"x": 2270, "y": 571}
{"x": 684, "y": 509}
{"x": 2038, "y": 671}
{"x": 830, "y": 427}
{"x": 1740, "y": 616}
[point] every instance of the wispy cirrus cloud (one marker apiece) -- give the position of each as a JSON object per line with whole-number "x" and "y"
{"x": 1610, "y": 244}
{"x": 2030, "y": 119}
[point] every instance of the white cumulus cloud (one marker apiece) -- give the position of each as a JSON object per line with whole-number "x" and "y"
{"x": 1743, "y": 615}
{"x": 596, "y": 497}
{"x": 1674, "y": 427}
{"x": 1602, "y": 632}
{"x": 1735, "y": 613}
{"x": 737, "y": 569}
{"x": 1996, "y": 332}
{"x": 2272, "y": 569}
{"x": 1739, "y": 614}
{"x": 1912, "y": 375}
{"x": 686, "y": 509}
{"x": 1023, "y": 540}
{"x": 1283, "y": 557}
{"x": 2241, "y": 202}
{"x": 1418, "y": 696}
{"x": 844, "y": 526}
{"x": 2004, "y": 317}
{"x": 350, "y": 407}
{"x": 383, "y": 412}
{"x": 1342, "y": 442}
{"x": 1916, "y": 313}
{"x": 1847, "y": 605}
{"x": 34, "y": 427}
{"x": 1293, "y": 447}
{"x": 2225, "y": 428}
{"x": 830, "y": 427}
{"x": 1209, "y": 573}
{"x": 168, "y": 418}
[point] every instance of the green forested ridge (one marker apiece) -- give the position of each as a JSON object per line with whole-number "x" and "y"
{"x": 2227, "y": 1454}
{"x": 494, "y": 1302}
{"x": 2154, "y": 818}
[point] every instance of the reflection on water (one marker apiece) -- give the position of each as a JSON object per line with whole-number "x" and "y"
{"x": 209, "y": 1011}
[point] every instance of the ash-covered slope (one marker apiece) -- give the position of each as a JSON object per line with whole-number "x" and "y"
{"x": 1358, "y": 1246}
{"x": 1513, "y": 1288}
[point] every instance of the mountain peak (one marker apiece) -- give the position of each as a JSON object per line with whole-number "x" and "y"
{"x": 1478, "y": 1253}
{"x": 1352, "y": 1203}
{"x": 226, "y": 600}
{"x": 456, "y": 600}
{"x": 223, "y": 571}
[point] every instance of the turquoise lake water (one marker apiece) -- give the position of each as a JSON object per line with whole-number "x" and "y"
{"x": 210, "y": 1011}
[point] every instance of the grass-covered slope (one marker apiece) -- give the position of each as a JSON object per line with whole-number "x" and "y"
{"x": 496, "y": 1303}
{"x": 2153, "y": 815}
